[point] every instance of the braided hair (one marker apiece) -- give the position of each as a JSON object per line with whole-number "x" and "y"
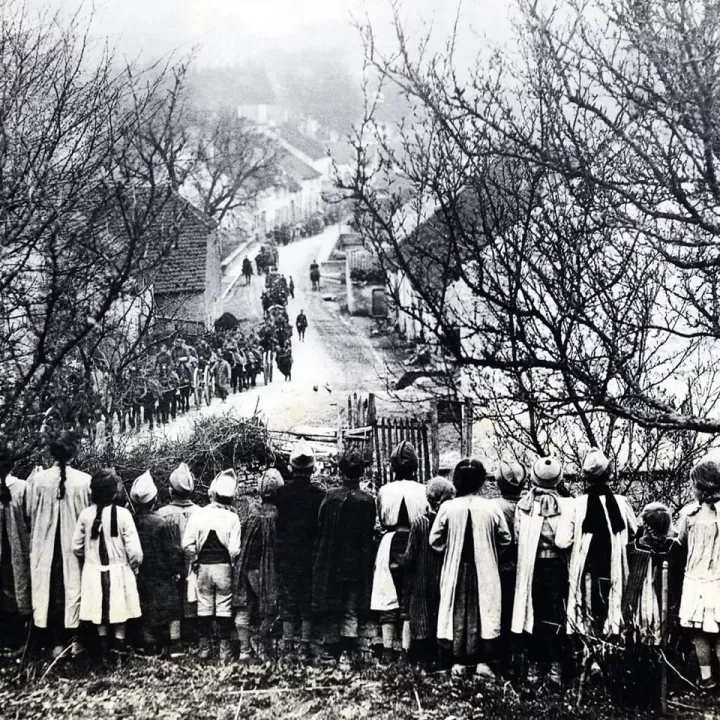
{"x": 7, "y": 460}
{"x": 103, "y": 492}
{"x": 62, "y": 449}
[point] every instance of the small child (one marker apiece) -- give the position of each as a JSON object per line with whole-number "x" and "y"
{"x": 423, "y": 567}
{"x": 699, "y": 531}
{"x": 178, "y": 512}
{"x": 106, "y": 540}
{"x": 642, "y": 600}
{"x": 212, "y": 544}
{"x": 510, "y": 478}
{"x": 161, "y": 570}
{"x": 255, "y": 586}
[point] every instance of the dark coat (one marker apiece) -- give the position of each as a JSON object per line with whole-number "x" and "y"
{"x": 163, "y": 563}
{"x": 345, "y": 550}
{"x": 422, "y": 566}
{"x": 257, "y": 553}
{"x": 298, "y": 504}
{"x": 638, "y": 559}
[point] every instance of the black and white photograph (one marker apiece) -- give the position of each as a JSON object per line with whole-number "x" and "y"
{"x": 360, "y": 359}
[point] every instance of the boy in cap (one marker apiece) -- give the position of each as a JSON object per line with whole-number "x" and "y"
{"x": 510, "y": 478}
{"x": 162, "y": 568}
{"x": 298, "y": 503}
{"x": 177, "y": 513}
{"x": 342, "y": 571}
{"x": 542, "y": 574}
{"x": 255, "y": 585}
{"x": 471, "y": 531}
{"x": 423, "y": 567}
{"x": 212, "y": 544}
{"x": 400, "y": 504}
{"x": 598, "y": 530}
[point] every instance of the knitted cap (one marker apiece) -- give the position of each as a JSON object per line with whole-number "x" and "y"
{"x": 510, "y": 478}
{"x": 302, "y": 456}
{"x": 595, "y": 465}
{"x": 547, "y": 472}
{"x": 270, "y": 481}
{"x": 143, "y": 490}
{"x": 438, "y": 490}
{"x": 404, "y": 459}
{"x": 182, "y": 480}
{"x": 104, "y": 486}
{"x": 224, "y": 484}
{"x": 657, "y": 518}
{"x": 352, "y": 464}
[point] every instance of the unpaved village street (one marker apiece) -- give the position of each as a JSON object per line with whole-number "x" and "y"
{"x": 337, "y": 357}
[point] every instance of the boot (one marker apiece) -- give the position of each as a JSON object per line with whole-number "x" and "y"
{"x": 554, "y": 676}
{"x": 226, "y": 653}
{"x": 304, "y": 652}
{"x": 204, "y": 647}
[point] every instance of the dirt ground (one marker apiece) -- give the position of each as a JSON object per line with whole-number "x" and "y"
{"x": 127, "y": 686}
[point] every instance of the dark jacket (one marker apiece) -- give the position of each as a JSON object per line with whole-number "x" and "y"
{"x": 257, "y": 555}
{"x": 163, "y": 563}
{"x": 298, "y": 504}
{"x": 345, "y": 551}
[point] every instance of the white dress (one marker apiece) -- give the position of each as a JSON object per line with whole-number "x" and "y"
{"x": 699, "y": 530}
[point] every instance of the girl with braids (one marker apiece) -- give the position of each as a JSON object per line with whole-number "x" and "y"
{"x": 106, "y": 540}
{"x": 699, "y": 533}
{"x": 55, "y": 498}
{"x": 15, "y": 603}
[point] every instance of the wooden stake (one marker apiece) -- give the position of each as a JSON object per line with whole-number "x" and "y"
{"x": 434, "y": 437}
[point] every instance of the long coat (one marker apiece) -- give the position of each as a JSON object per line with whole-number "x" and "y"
{"x": 14, "y": 521}
{"x": 528, "y": 526}
{"x": 47, "y": 513}
{"x": 344, "y": 551}
{"x": 490, "y": 534}
{"x": 391, "y": 497}
{"x": 258, "y": 544}
{"x": 124, "y": 557}
{"x": 162, "y": 566}
{"x": 298, "y": 504}
{"x": 570, "y": 534}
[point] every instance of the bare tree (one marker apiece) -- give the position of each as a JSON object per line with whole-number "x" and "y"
{"x": 553, "y": 212}
{"x": 84, "y": 211}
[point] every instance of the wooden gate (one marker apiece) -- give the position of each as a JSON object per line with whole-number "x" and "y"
{"x": 388, "y": 432}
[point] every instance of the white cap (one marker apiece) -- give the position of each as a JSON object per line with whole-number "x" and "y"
{"x": 143, "y": 490}
{"x": 547, "y": 472}
{"x": 596, "y": 463}
{"x": 302, "y": 456}
{"x": 182, "y": 480}
{"x": 224, "y": 484}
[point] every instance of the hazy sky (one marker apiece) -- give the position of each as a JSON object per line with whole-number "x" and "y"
{"x": 228, "y": 31}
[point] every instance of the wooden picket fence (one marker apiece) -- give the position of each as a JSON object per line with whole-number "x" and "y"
{"x": 388, "y": 432}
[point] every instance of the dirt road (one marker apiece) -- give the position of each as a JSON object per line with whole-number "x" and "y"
{"x": 335, "y": 357}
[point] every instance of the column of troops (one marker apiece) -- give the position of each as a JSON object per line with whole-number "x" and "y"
{"x": 454, "y": 579}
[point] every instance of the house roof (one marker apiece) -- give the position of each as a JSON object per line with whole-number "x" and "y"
{"x": 295, "y": 169}
{"x": 183, "y": 271}
{"x": 307, "y": 145}
{"x": 342, "y": 153}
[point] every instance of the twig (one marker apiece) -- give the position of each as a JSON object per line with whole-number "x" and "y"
{"x": 25, "y": 649}
{"x": 677, "y": 672}
{"x": 64, "y": 652}
{"x": 299, "y": 689}
{"x": 240, "y": 701}
{"x": 417, "y": 700}
{"x": 676, "y": 703}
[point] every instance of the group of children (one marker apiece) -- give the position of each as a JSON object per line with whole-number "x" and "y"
{"x": 449, "y": 575}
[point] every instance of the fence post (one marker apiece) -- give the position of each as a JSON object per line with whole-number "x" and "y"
{"x": 371, "y": 411}
{"x": 340, "y": 431}
{"x": 434, "y": 439}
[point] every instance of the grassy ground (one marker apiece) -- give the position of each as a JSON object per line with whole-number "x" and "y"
{"x": 129, "y": 686}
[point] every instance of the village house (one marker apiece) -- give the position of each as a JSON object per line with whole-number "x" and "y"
{"x": 187, "y": 289}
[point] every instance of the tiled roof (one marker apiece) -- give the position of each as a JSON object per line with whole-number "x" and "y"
{"x": 295, "y": 168}
{"x": 307, "y": 145}
{"x": 184, "y": 269}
